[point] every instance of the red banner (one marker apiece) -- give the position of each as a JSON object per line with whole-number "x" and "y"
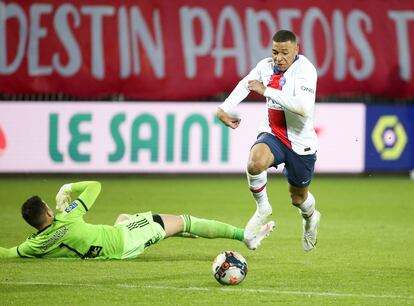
{"x": 182, "y": 50}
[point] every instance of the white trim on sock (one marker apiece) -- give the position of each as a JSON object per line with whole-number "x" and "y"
{"x": 308, "y": 207}
{"x": 257, "y": 185}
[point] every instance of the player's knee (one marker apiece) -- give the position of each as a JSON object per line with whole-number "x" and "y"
{"x": 173, "y": 224}
{"x": 256, "y": 166}
{"x": 121, "y": 218}
{"x": 297, "y": 199}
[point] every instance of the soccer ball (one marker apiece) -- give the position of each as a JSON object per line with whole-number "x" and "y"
{"x": 229, "y": 268}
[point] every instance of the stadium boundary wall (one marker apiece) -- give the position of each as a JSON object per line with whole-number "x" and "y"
{"x": 63, "y": 137}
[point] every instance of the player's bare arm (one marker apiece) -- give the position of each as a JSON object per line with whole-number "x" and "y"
{"x": 256, "y": 86}
{"x": 230, "y": 121}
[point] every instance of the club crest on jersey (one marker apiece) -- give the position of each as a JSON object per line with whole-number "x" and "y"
{"x": 71, "y": 206}
{"x": 282, "y": 81}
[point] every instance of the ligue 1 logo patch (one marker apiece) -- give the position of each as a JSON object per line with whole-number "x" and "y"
{"x": 71, "y": 206}
{"x": 282, "y": 81}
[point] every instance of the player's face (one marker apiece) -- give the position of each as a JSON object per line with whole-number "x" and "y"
{"x": 283, "y": 54}
{"x": 48, "y": 210}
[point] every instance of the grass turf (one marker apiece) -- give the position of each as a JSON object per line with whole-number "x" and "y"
{"x": 364, "y": 256}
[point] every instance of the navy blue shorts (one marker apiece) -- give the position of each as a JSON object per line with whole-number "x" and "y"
{"x": 298, "y": 168}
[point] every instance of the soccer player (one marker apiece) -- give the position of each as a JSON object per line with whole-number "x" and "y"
{"x": 288, "y": 82}
{"x": 66, "y": 234}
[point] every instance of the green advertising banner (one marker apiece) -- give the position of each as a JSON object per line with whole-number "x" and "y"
{"x": 170, "y": 137}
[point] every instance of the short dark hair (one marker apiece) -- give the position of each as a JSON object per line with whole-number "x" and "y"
{"x": 284, "y": 35}
{"x": 33, "y": 211}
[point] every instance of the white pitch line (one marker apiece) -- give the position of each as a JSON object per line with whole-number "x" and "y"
{"x": 239, "y": 290}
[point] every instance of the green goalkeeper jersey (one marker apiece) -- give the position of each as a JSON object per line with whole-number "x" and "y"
{"x": 70, "y": 236}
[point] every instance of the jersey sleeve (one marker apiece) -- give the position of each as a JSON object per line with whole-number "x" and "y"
{"x": 28, "y": 249}
{"x": 8, "y": 253}
{"x": 303, "y": 100}
{"x": 86, "y": 193}
{"x": 241, "y": 91}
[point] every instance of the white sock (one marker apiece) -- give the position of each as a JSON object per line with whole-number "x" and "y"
{"x": 257, "y": 185}
{"x": 308, "y": 207}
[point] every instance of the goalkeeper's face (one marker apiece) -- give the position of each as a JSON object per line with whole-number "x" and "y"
{"x": 49, "y": 212}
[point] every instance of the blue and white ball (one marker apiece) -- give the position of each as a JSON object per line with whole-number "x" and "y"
{"x": 229, "y": 268}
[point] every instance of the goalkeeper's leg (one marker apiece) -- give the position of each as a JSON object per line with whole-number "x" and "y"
{"x": 205, "y": 228}
{"x": 121, "y": 218}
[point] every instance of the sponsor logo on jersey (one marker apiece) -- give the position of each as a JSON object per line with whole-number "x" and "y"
{"x": 282, "y": 81}
{"x": 71, "y": 206}
{"x": 311, "y": 90}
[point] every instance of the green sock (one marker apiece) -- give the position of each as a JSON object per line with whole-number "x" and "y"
{"x": 211, "y": 228}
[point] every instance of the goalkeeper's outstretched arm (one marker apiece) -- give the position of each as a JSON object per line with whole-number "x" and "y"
{"x": 9, "y": 253}
{"x": 86, "y": 192}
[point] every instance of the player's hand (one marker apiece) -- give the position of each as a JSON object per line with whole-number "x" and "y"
{"x": 63, "y": 198}
{"x": 228, "y": 120}
{"x": 256, "y": 86}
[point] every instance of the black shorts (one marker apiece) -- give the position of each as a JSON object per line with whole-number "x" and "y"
{"x": 298, "y": 168}
{"x": 158, "y": 219}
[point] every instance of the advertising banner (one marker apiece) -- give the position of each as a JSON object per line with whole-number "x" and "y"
{"x": 188, "y": 49}
{"x": 390, "y": 138}
{"x": 341, "y": 136}
{"x": 158, "y": 137}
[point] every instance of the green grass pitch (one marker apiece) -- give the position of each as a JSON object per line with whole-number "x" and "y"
{"x": 365, "y": 254}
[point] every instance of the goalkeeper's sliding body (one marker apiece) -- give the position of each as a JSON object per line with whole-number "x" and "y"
{"x": 67, "y": 235}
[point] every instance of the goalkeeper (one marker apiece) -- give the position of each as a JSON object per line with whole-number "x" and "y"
{"x": 67, "y": 235}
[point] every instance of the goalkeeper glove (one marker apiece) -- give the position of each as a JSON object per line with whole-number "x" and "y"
{"x": 63, "y": 197}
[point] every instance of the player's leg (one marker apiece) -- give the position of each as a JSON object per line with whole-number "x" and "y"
{"x": 211, "y": 229}
{"x": 300, "y": 172}
{"x": 262, "y": 157}
{"x": 121, "y": 218}
{"x": 200, "y": 227}
{"x": 172, "y": 224}
{"x": 303, "y": 200}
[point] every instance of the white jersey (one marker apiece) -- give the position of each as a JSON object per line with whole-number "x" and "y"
{"x": 290, "y": 97}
